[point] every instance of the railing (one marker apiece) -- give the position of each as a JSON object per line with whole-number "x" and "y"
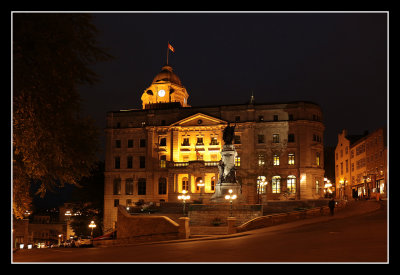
{"x": 184, "y": 164}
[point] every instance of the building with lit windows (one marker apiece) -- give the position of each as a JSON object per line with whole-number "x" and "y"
{"x": 361, "y": 165}
{"x": 154, "y": 153}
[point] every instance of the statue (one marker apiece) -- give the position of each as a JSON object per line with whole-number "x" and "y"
{"x": 226, "y": 167}
{"x": 228, "y": 134}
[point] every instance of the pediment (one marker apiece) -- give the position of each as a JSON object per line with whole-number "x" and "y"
{"x": 199, "y": 119}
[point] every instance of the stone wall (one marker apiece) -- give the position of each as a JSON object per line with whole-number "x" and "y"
{"x": 144, "y": 228}
{"x": 217, "y": 214}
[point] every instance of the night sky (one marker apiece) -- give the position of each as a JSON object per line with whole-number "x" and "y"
{"x": 337, "y": 60}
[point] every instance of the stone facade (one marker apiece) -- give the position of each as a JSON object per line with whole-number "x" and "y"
{"x": 154, "y": 153}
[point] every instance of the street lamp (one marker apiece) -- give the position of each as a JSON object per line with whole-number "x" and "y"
{"x": 92, "y": 225}
{"x": 184, "y": 197}
{"x": 230, "y": 197}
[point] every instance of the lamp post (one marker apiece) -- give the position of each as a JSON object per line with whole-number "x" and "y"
{"x": 92, "y": 225}
{"x": 230, "y": 197}
{"x": 184, "y": 197}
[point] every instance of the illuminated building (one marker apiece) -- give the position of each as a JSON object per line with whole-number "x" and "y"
{"x": 168, "y": 146}
{"x": 361, "y": 165}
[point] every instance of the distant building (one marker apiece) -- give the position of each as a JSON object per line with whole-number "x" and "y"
{"x": 361, "y": 165}
{"x": 154, "y": 153}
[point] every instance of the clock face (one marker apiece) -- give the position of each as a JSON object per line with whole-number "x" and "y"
{"x": 161, "y": 93}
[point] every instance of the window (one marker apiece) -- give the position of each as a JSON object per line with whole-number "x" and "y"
{"x": 129, "y": 186}
{"x": 237, "y": 161}
{"x": 199, "y": 141}
{"x": 142, "y": 186}
{"x": 129, "y": 161}
{"x": 118, "y": 143}
{"x": 117, "y": 186}
{"x": 185, "y": 142}
{"x": 290, "y": 116}
{"x": 236, "y": 139}
{"x": 237, "y": 118}
{"x": 341, "y": 168}
{"x": 163, "y": 161}
{"x": 291, "y": 138}
{"x": 130, "y": 143}
{"x": 163, "y": 141}
{"x": 214, "y": 141}
{"x": 260, "y": 118}
{"x": 347, "y": 165}
{"x": 261, "y": 184}
{"x": 291, "y": 184}
{"x": 185, "y": 184}
{"x": 261, "y": 159}
{"x": 142, "y": 143}
{"x": 116, "y": 202}
{"x": 291, "y": 158}
{"x": 260, "y": 138}
{"x": 275, "y": 138}
{"x": 276, "y": 184}
{"x": 117, "y": 162}
{"x": 275, "y": 117}
{"x": 162, "y": 186}
{"x": 317, "y": 158}
{"x": 213, "y": 183}
{"x": 142, "y": 162}
{"x": 317, "y": 187}
{"x": 276, "y": 160}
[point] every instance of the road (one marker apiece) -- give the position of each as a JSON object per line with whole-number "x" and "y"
{"x": 360, "y": 237}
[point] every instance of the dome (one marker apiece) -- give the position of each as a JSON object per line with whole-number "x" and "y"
{"x": 167, "y": 74}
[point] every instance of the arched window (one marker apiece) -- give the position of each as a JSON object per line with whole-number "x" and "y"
{"x": 162, "y": 186}
{"x": 185, "y": 184}
{"x": 291, "y": 184}
{"x": 276, "y": 184}
{"x": 261, "y": 184}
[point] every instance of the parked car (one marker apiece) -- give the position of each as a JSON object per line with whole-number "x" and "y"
{"x": 83, "y": 241}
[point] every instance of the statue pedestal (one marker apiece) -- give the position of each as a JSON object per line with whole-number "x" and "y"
{"x": 222, "y": 189}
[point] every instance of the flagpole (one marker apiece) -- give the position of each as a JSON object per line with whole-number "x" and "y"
{"x": 167, "y": 52}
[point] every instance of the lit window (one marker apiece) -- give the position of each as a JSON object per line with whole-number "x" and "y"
{"x": 276, "y": 184}
{"x": 275, "y": 138}
{"x": 237, "y": 161}
{"x": 261, "y": 160}
{"x": 185, "y": 184}
{"x": 261, "y": 184}
{"x": 276, "y": 160}
{"x": 291, "y": 184}
{"x": 291, "y": 158}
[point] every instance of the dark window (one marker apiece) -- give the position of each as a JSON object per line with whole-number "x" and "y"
{"x": 260, "y": 118}
{"x": 163, "y": 141}
{"x": 117, "y": 162}
{"x": 142, "y": 142}
{"x": 118, "y": 143}
{"x": 130, "y": 143}
{"x": 237, "y": 118}
{"x": 290, "y": 117}
{"x": 237, "y": 139}
{"x": 275, "y": 117}
{"x": 129, "y": 186}
{"x": 275, "y": 138}
{"x": 117, "y": 186}
{"x": 162, "y": 186}
{"x": 142, "y": 186}
{"x": 116, "y": 202}
{"x": 129, "y": 161}
{"x": 142, "y": 162}
{"x": 260, "y": 138}
{"x": 291, "y": 138}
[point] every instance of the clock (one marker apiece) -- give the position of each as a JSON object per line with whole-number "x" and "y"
{"x": 161, "y": 93}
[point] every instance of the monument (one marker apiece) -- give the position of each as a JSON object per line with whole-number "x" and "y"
{"x": 227, "y": 171}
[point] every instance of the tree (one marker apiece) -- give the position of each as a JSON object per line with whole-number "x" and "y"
{"x": 53, "y": 143}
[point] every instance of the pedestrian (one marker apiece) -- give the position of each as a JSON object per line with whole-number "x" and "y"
{"x": 331, "y": 205}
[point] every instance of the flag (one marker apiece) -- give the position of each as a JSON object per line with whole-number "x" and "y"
{"x": 171, "y": 48}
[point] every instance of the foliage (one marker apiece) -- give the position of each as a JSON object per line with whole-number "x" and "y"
{"x": 53, "y": 143}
